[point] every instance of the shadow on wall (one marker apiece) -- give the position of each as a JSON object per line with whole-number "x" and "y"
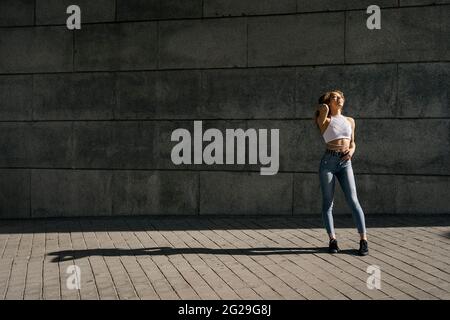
{"x": 183, "y": 223}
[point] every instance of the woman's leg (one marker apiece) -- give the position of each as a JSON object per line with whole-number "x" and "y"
{"x": 347, "y": 181}
{"x": 327, "y": 182}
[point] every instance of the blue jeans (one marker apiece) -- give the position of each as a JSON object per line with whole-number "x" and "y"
{"x": 332, "y": 167}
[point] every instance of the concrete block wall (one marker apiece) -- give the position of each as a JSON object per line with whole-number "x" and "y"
{"x": 86, "y": 115}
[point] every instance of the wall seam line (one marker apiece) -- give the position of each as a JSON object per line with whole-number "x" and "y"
{"x": 293, "y": 192}
{"x": 256, "y": 171}
{"x": 230, "y": 16}
{"x": 397, "y": 83}
{"x": 345, "y": 37}
{"x": 262, "y": 67}
{"x": 30, "y": 203}
{"x": 198, "y": 196}
{"x": 247, "y": 40}
{"x": 443, "y": 118}
{"x": 115, "y": 11}
{"x": 73, "y": 51}
{"x": 158, "y": 63}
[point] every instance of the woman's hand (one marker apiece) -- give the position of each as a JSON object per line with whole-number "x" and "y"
{"x": 348, "y": 155}
{"x": 323, "y": 106}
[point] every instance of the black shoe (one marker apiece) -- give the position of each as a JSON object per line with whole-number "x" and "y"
{"x": 333, "y": 247}
{"x": 363, "y": 248}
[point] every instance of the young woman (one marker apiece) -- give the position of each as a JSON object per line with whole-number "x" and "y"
{"x": 338, "y": 132}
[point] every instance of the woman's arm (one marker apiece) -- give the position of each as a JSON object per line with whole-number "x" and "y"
{"x": 322, "y": 117}
{"x": 352, "y": 147}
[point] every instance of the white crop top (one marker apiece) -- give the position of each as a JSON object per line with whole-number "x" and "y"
{"x": 338, "y": 128}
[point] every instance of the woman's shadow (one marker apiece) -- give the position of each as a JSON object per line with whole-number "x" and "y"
{"x": 66, "y": 255}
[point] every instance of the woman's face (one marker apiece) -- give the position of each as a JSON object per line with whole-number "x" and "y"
{"x": 336, "y": 102}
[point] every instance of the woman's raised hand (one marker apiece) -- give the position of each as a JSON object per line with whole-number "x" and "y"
{"x": 323, "y": 106}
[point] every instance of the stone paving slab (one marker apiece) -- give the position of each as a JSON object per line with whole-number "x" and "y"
{"x": 202, "y": 257}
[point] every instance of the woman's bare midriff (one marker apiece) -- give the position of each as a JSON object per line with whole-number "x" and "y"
{"x": 341, "y": 145}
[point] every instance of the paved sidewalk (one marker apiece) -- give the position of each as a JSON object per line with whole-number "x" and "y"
{"x": 223, "y": 258}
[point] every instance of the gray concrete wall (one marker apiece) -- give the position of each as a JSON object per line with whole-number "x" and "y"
{"x": 86, "y": 115}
